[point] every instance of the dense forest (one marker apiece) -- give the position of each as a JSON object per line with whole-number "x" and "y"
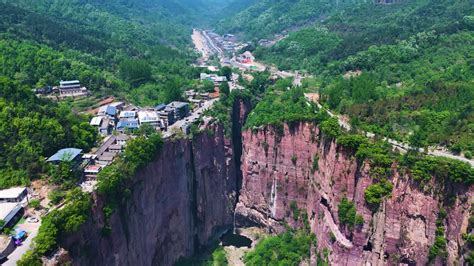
{"x": 402, "y": 70}
{"x": 264, "y": 19}
{"x": 32, "y": 128}
{"x": 135, "y": 50}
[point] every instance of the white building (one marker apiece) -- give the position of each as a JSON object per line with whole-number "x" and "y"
{"x": 15, "y": 194}
{"x": 149, "y": 117}
{"x": 96, "y": 121}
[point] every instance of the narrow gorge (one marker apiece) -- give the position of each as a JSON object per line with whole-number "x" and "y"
{"x": 186, "y": 198}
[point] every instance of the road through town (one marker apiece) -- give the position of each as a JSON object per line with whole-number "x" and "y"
{"x": 441, "y": 152}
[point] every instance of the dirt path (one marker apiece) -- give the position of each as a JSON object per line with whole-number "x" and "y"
{"x": 199, "y": 43}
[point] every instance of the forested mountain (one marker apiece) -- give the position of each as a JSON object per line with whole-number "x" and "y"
{"x": 355, "y": 29}
{"x": 264, "y": 19}
{"x": 136, "y": 50}
{"x": 416, "y": 63}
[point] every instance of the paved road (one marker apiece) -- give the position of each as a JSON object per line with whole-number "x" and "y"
{"x": 210, "y": 43}
{"x": 342, "y": 122}
{"x": 189, "y": 119}
{"x": 32, "y": 230}
{"x": 403, "y": 147}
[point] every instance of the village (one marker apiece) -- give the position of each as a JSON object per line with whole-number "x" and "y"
{"x": 116, "y": 122}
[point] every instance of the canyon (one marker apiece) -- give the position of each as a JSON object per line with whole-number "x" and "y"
{"x": 278, "y": 169}
{"x": 195, "y": 188}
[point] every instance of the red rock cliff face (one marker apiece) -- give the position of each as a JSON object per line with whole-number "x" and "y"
{"x": 178, "y": 203}
{"x": 279, "y": 169}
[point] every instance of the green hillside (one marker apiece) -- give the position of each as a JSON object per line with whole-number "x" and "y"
{"x": 415, "y": 58}
{"x": 356, "y": 29}
{"x": 135, "y": 50}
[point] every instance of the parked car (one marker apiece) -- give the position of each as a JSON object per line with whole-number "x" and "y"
{"x": 32, "y": 220}
{"x": 20, "y": 235}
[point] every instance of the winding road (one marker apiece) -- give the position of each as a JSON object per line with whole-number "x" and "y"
{"x": 403, "y": 147}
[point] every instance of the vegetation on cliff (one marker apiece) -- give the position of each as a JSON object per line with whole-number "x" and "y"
{"x": 113, "y": 181}
{"x": 57, "y": 225}
{"x": 439, "y": 247}
{"x": 347, "y": 214}
{"x": 283, "y": 103}
{"x": 407, "y": 66}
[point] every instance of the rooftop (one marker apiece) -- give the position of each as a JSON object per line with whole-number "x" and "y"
{"x": 96, "y": 121}
{"x": 107, "y": 156}
{"x": 160, "y": 107}
{"x": 122, "y": 137}
{"x": 147, "y": 116}
{"x": 108, "y": 109}
{"x": 177, "y": 104}
{"x": 8, "y": 210}
{"x": 130, "y": 123}
{"x": 69, "y": 82}
{"x": 128, "y": 114}
{"x": 11, "y": 193}
{"x": 67, "y": 154}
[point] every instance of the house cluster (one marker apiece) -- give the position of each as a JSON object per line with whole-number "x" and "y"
{"x": 111, "y": 147}
{"x": 66, "y": 88}
{"x": 123, "y": 118}
{"x": 92, "y": 163}
{"x": 228, "y": 42}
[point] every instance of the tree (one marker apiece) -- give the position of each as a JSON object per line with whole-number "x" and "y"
{"x": 146, "y": 130}
{"x": 135, "y": 71}
{"x": 35, "y": 203}
{"x": 227, "y": 72}
{"x": 224, "y": 90}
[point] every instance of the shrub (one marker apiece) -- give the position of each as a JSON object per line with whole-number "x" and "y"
{"x": 295, "y": 210}
{"x": 294, "y": 159}
{"x": 468, "y": 155}
{"x": 375, "y": 193}
{"x": 332, "y": 237}
{"x": 315, "y": 166}
{"x": 443, "y": 169}
{"x": 30, "y": 258}
{"x": 56, "y": 196}
{"x": 35, "y": 203}
{"x": 347, "y": 214}
{"x": 439, "y": 247}
{"x": 219, "y": 257}
{"x": 331, "y": 128}
{"x": 352, "y": 141}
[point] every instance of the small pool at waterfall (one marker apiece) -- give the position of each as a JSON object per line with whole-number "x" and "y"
{"x": 236, "y": 240}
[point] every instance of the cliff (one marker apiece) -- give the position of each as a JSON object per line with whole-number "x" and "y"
{"x": 177, "y": 204}
{"x": 301, "y": 166}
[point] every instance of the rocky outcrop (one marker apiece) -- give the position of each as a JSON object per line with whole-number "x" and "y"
{"x": 177, "y": 204}
{"x": 302, "y": 166}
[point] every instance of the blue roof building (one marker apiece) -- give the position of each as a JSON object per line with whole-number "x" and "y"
{"x": 108, "y": 110}
{"x": 130, "y": 124}
{"x": 65, "y": 155}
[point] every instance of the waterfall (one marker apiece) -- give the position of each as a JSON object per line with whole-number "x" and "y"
{"x": 233, "y": 226}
